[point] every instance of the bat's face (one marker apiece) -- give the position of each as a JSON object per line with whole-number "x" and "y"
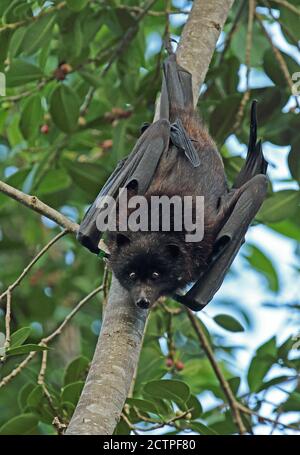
{"x": 146, "y": 270}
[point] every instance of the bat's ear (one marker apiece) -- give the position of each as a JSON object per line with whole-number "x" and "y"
{"x": 173, "y": 250}
{"x": 122, "y": 240}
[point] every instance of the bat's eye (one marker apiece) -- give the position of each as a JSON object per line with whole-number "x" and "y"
{"x": 132, "y": 276}
{"x": 155, "y": 275}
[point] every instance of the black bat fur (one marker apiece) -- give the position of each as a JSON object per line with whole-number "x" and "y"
{"x": 177, "y": 156}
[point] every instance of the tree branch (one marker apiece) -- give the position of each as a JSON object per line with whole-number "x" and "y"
{"x": 117, "y": 352}
{"x": 12, "y": 286}
{"x": 233, "y": 403}
{"x": 38, "y": 206}
{"x": 113, "y": 366}
{"x": 49, "y": 338}
{"x": 199, "y": 37}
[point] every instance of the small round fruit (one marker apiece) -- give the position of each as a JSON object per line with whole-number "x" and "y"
{"x": 45, "y": 129}
{"x": 179, "y": 365}
{"x": 169, "y": 362}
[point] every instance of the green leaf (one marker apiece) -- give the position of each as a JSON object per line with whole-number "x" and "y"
{"x": 268, "y": 384}
{"x": 22, "y": 72}
{"x": 259, "y": 45}
{"x": 259, "y": 261}
{"x": 31, "y": 117}
{"x": 25, "y": 349}
{"x": 87, "y": 176}
{"x": 76, "y": 5}
{"x": 22, "y": 424}
{"x": 292, "y": 404}
{"x": 38, "y": 34}
{"x": 71, "y": 392}
{"x": 18, "y": 337}
{"x": 35, "y": 396}
{"x": 221, "y": 118}
{"x": 55, "y": 180}
{"x": 234, "y": 384}
{"x": 122, "y": 428}
{"x": 257, "y": 371}
{"x": 5, "y": 36}
{"x": 76, "y": 370}
{"x": 143, "y": 405}
{"x": 294, "y": 161}
{"x": 38, "y": 403}
{"x": 228, "y": 323}
{"x": 285, "y": 348}
{"x": 287, "y": 228}
{"x": 151, "y": 366}
{"x": 274, "y": 72}
{"x": 261, "y": 363}
{"x": 168, "y": 389}
{"x": 64, "y": 108}
{"x": 194, "y": 404}
{"x": 24, "y": 394}
{"x": 16, "y": 42}
{"x": 279, "y": 206}
{"x": 202, "y": 429}
{"x": 268, "y": 348}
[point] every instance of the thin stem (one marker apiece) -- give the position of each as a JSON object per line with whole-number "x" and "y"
{"x": 38, "y": 206}
{"x": 45, "y": 12}
{"x": 233, "y": 403}
{"x": 246, "y": 95}
{"x": 71, "y": 315}
{"x": 288, "y": 6}
{"x": 31, "y": 264}
{"x": 49, "y": 338}
{"x": 281, "y": 62}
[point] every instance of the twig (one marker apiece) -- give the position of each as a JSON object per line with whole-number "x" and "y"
{"x": 71, "y": 315}
{"x": 282, "y": 25}
{"x": 288, "y": 6}
{"x": 231, "y": 32}
{"x": 129, "y": 35}
{"x": 233, "y": 403}
{"x": 156, "y": 426}
{"x": 7, "y": 322}
{"x": 41, "y": 376}
{"x": 60, "y": 427}
{"x": 248, "y": 411}
{"x": 105, "y": 285}
{"x": 38, "y": 206}
{"x": 246, "y": 95}
{"x": 138, "y": 9}
{"x": 15, "y": 25}
{"x": 20, "y": 96}
{"x": 277, "y": 54}
{"x": 17, "y": 370}
{"x": 31, "y": 264}
{"x": 50, "y": 337}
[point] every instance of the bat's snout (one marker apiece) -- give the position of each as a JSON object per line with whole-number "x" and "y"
{"x": 143, "y": 303}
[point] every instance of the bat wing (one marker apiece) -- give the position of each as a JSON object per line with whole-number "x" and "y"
{"x": 255, "y": 162}
{"x": 228, "y": 242}
{"x": 138, "y": 169}
{"x": 239, "y": 208}
{"x": 176, "y": 95}
{"x": 140, "y": 166}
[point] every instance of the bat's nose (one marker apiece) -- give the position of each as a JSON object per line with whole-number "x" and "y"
{"x": 143, "y": 303}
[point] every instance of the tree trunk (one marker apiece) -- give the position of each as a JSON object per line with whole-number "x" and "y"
{"x": 117, "y": 352}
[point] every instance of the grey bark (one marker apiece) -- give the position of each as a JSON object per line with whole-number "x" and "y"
{"x": 199, "y": 37}
{"x": 113, "y": 366}
{"x": 117, "y": 352}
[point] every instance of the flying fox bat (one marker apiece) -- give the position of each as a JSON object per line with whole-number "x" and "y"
{"x": 176, "y": 156}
